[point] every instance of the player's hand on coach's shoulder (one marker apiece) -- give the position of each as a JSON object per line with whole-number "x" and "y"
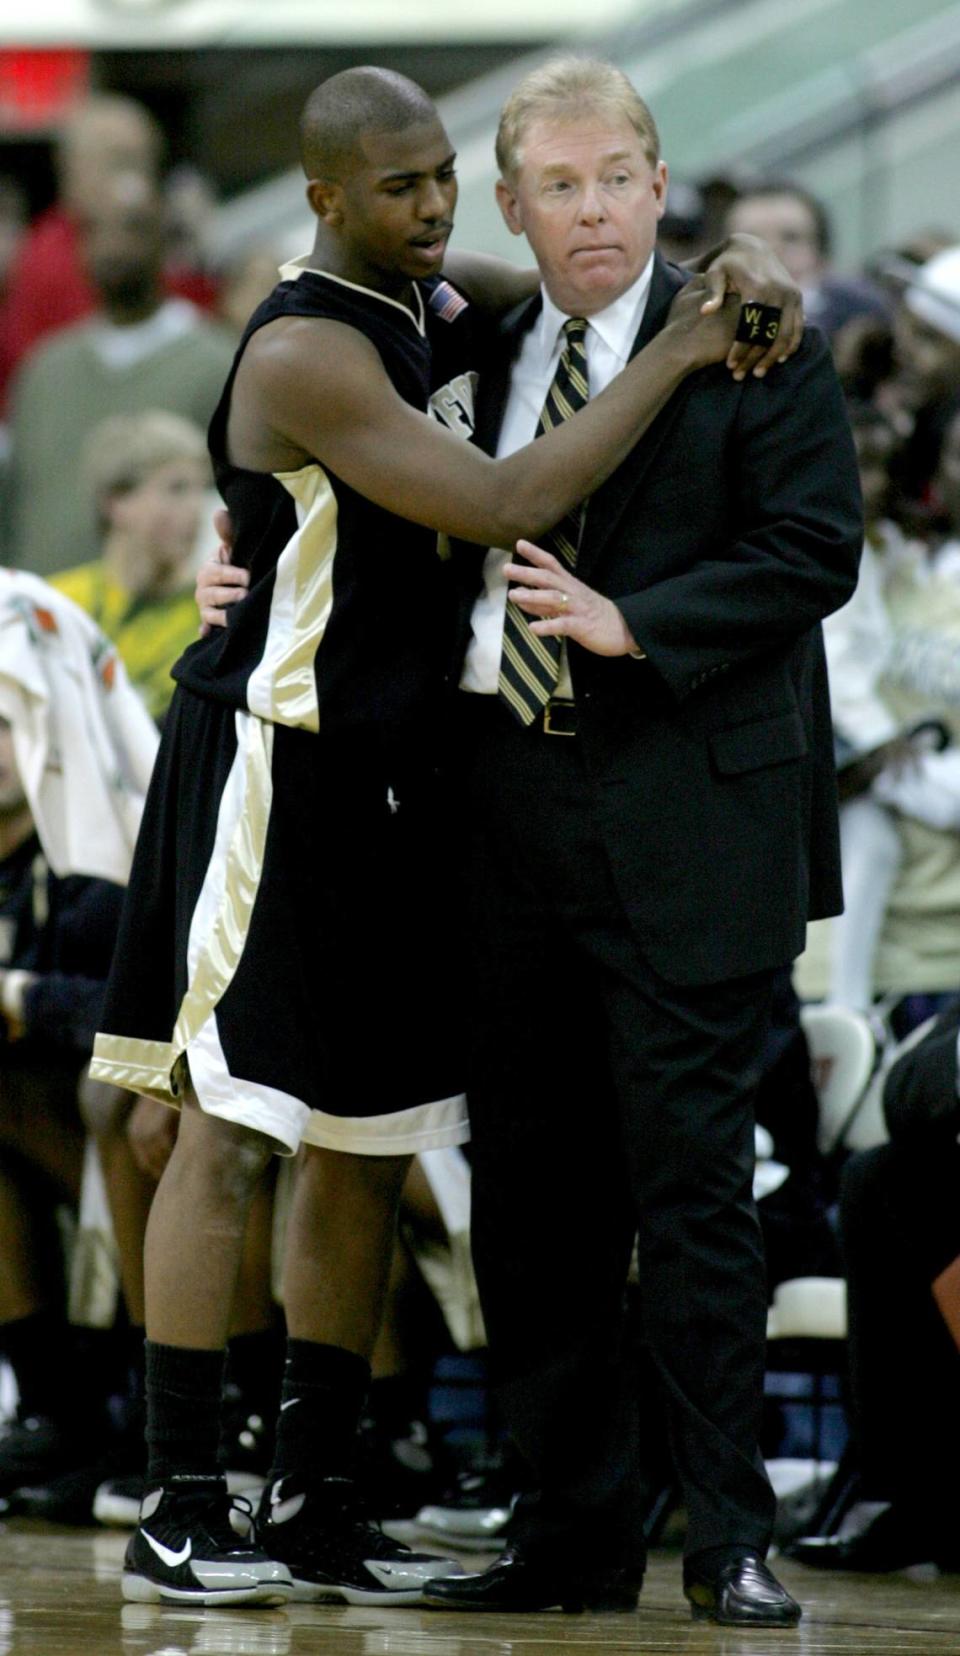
{"x": 701, "y": 326}
{"x": 220, "y": 583}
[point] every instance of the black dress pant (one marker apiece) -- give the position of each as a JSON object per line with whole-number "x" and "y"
{"x": 606, "y": 1103}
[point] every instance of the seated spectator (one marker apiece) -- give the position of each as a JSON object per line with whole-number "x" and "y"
{"x": 892, "y": 267}
{"x": 140, "y": 351}
{"x": 76, "y": 751}
{"x": 149, "y": 476}
{"x": 797, "y": 226}
{"x": 922, "y": 389}
{"x": 49, "y": 285}
{"x": 900, "y": 1233}
{"x": 917, "y": 959}
{"x": 870, "y": 740}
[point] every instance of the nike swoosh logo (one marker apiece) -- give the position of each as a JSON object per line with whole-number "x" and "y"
{"x": 289, "y": 1403}
{"x": 166, "y": 1555}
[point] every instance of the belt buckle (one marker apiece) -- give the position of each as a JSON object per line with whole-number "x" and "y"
{"x": 560, "y": 718}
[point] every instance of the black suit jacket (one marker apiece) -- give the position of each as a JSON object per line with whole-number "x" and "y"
{"x": 733, "y": 527}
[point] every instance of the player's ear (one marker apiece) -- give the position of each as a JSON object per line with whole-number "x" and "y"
{"x": 326, "y": 199}
{"x": 509, "y": 207}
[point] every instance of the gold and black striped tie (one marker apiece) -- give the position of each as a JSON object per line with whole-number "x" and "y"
{"x": 530, "y": 666}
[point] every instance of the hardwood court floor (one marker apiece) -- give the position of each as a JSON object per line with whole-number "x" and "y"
{"x": 60, "y": 1596}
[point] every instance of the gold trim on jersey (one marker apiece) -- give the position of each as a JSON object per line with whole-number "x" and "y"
{"x": 218, "y": 929}
{"x": 397, "y": 1133}
{"x": 295, "y": 268}
{"x": 283, "y": 686}
{"x": 149, "y": 1067}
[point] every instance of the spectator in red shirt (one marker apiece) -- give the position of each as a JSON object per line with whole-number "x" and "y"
{"x": 48, "y": 286}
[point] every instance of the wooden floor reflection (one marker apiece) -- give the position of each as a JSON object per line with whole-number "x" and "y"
{"x": 60, "y": 1596}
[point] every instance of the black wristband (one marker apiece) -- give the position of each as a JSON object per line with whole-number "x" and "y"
{"x": 758, "y": 324}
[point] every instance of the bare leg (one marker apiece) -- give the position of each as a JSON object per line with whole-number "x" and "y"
{"x": 391, "y": 1352}
{"x": 130, "y": 1193}
{"x": 253, "y": 1306}
{"x": 402, "y": 1327}
{"x": 340, "y": 1246}
{"x": 196, "y": 1229}
{"x": 419, "y": 1205}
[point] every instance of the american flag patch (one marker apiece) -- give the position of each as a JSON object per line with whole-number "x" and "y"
{"x": 447, "y": 302}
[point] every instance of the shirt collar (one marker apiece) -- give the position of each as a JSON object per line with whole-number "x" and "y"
{"x": 617, "y": 326}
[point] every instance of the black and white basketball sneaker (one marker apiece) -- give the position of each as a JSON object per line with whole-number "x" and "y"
{"x": 116, "y": 1500}
{"x": 473, "y": 1516}
{"x": 335, "y": 1551}
{"x": 187, "y": 1551}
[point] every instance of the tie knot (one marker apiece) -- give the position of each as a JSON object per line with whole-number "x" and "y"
{"x": 575, "y": 330}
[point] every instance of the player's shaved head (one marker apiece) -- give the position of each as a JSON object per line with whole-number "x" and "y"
{"x": 357, "y": 101}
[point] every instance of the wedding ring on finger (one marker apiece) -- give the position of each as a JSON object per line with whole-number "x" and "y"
{"x": 563, "y": 600}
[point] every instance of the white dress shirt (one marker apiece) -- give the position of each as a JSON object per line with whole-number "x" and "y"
{"x": 609, "y": 340}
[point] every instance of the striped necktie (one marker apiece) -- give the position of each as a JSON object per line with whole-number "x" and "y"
{"x": 530, "y": 666}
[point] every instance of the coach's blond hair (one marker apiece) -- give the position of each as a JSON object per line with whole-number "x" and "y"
{"x": 565, "y": 89}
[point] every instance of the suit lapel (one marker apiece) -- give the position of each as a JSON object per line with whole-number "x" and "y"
{"x": 607, "y": 506}
{"x": 495, "y": 374}
{"x": 665, "y": 282}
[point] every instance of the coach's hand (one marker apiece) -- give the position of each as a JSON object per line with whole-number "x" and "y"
{"x": 564, "y": 607}
{"x": 219, "y": 582}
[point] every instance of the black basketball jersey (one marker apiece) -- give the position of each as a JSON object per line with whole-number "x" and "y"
{"x": 348, "y": 618}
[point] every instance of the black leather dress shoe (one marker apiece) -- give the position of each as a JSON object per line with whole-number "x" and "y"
{"x": 518, "y": 1582}
{"x": 743, "y": 1593}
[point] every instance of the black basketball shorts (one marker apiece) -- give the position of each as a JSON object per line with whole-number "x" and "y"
{"x": 290, "y": 937}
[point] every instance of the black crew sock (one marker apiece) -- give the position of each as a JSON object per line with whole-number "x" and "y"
{"x": 137, "y": 1369}
{"x": 38, "y": 1349}
{"x": 131, "y": 1404}
{"x": 324, "y": 1389}
{"x": 251, "y": 1397}
{"x": 255, "y": 1371}
{"x": 134, "y": 1358}
{"x": 184, "y": 1389}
